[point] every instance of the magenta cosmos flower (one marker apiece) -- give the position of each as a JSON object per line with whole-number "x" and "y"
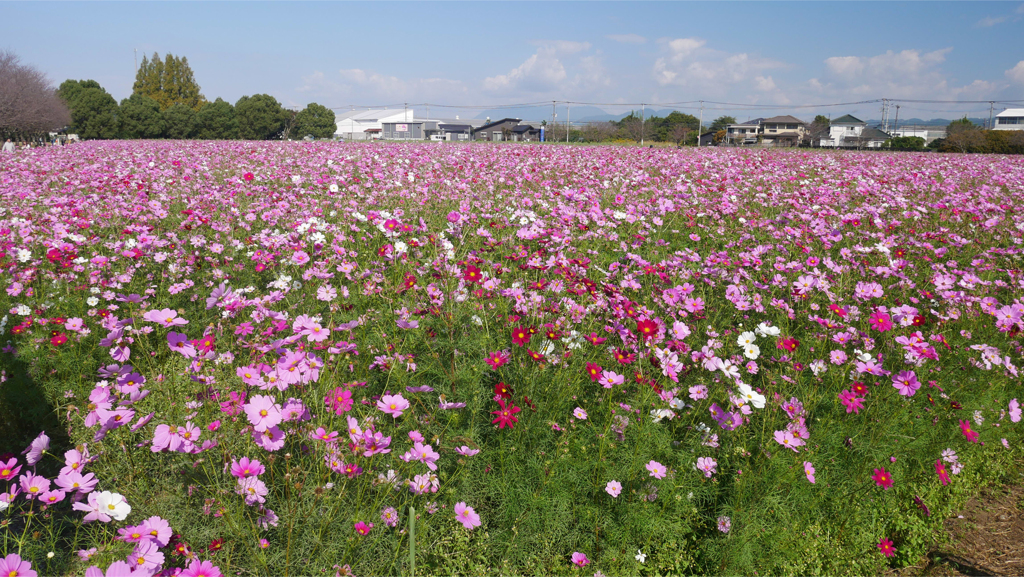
{"x": 393, "y": 405}
{"x": 466, "y": 515}
{"x": 906, "y": 383}
{"x": 13, "y": 566}
{"x": 885, "y": 546}
{"x": 580, "y": 559}
{"x": 882, "y": 478}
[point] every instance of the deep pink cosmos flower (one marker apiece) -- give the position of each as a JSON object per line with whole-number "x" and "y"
{"x": 882, "y": 478}
{"x": 505, "y": 415}
{"x": 339, "y": 400}
{"x": 363, "y": 528}
{"x": 245, "y": 467}
{"x": 466, "y": 515}
{"x": 880, "y": 322}
{"x": 940, "y": 470}
{"x": 965, "y": 428}
{"x": 885, "y": 546}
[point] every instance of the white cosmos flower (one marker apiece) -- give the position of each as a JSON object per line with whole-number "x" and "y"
{"x": 113, "y": 505}
{"x": 752, "y": 351}
{"x": 746, "y": 338}
{"x": 640, "y": 556}
{"x": 766, "y": 330}
{"x": 751, "y": 396}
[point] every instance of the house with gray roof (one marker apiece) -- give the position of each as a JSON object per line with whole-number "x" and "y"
{"x": 782, "y": 131}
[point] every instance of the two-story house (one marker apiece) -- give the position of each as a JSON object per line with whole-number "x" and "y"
{"x": 782, "y": 131}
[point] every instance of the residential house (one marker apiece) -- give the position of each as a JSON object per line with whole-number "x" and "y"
{"x": 782, "y": 131}
{"x": 744, "y": 132}
{"x": 848, "y": 131}
{"x": 496, "y": 131}
{"x": 928, "y": 133}
{"x": 1010, "y": 119}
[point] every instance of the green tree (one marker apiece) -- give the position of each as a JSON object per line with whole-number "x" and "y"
{"x": 316, "y": 120}
{"x": 168, "y": 82}
{"x": 963, "y": 136}
{"x": 93, "y": 110}
{"x": 215, "y": 121}
{"x": 178, "y": 121}
{"x": 260, "y": 117}
{"x": 139, "y": 117}
{"x": 818, "y": 129}
{"x": 721, "y": 123}
{"x": 905, "y": 143}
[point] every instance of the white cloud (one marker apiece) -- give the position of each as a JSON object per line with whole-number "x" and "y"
{"x": 1016, "y": 74}
{"x": 690, "y": 64}
{"x": 627, "y": 38}
{"x": 904, "y": 74}
{"x": 990, "y": 21}
{"x": 545, "y": 71}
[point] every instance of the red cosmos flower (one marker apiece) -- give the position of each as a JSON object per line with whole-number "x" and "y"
{"x": 471, "y": 274}
{"x": 885, "y": 546}
{"x": 789, "y": 344}
{"x": 529, "y": 403}
{"x": 505, "y": 415}
{"x": 502, "y": 390}
{"x": 623, "y": 357}
{"x": 860, "y": 388}
{"x": 535, "y": 356}
{"x": 409, "y": 282}
{"x": 552, "y": 334}
{"x": 496, "y": 359}
{"x": 838, "y": 310}
{"x": 940, "y": 470}
{"x": 965, "y": 427}
{"x": 59, "y": 339}
{"x": 248, "y": 176}
{"x": 882, "y": 478}
{"x": 647, "y": 328}
{"x": 215, "y": 545}
{"x": 595, "y": 371}
{"x": 521, "y": 336}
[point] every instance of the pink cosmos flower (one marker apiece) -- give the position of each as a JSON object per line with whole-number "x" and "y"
{"x": 34, "y": 452}
{"x": 724, "y": 524}
{"x": 906, "y": 383}
{"x": 33, "y": 485}
{"x": 657, "y": 470}
{"x": 1015, "y": 411}
{"x": 13, "y": 566}
{"x": 466, "y": 515}
{"x": 146, "y": 556}
{"x": 115, "y": 569}
{"x": 339, "y": 400}
{"x": 158, "y": 530}
{"x": 244, "y": 467}
{"x": 580, "y": 414}
{"x": 165, "y": 317}
{"x": 253, "y": 490}
{"x": 9, "y": 469}
{"x": 613, "y": 488}
{"x": 199, "y": 568}
{"x": 580, "y": 559}
{"x": 609, "y": 379}
{"x": 698, "y": 392}
{"x": 809, "y": 471}
{"x": 262, "y": 412}
{"x": 708, "y": 465}
{"x": 393, "y": 405}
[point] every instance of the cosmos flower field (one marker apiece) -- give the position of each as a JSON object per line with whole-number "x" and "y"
{"x": 240, "y": 358}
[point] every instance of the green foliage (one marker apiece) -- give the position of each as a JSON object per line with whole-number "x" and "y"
{"x": 178, "y": 121}
{"x": 93, "y": 110}
{"x": 821, "y": 120}
{"x": 260, "y": 117}
{"x": 139, "y": 117}
{"x": 315, "y": 120}
{"x": 721, "y": 123}
{"x": 905, "y": 143}
{"x": 215, "y": 121}
{"x": 168, "y": 82}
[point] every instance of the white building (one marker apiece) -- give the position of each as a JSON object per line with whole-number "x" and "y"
{"x": 1010, "y": 119}
{"x": 928, "y": 133}
{"x": 356, "y": 124}
{"x": 848, "y": 131}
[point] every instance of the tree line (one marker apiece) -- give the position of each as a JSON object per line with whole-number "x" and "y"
{"x": 166, "y": 102}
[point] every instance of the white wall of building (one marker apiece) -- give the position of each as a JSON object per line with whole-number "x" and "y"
{"x": 1010, "y": 119}
{"x": 353, "y": 125}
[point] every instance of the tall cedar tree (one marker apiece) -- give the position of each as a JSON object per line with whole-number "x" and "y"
{"x": 168, "y": 82}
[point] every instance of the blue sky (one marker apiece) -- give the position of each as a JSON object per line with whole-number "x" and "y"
{"x": 480, "y": 53}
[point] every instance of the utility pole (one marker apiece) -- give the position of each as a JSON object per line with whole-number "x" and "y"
{"x": 896, "y": 126}
{"x": 991, "y": 105}
{"x": 643, "y": 112}
{"x": 700, "y": 127}
{"x": 553, "y": 115}
{"x": 568, "y": 111}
